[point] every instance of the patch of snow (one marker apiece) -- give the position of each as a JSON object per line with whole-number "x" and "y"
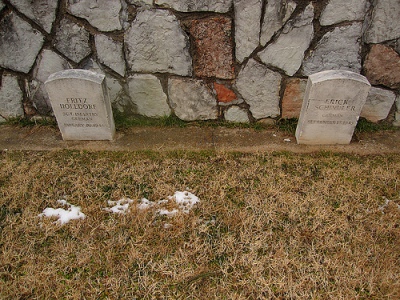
{"x": 185, "y": 200}
{"x": 64, "y": 215}
{"x": 286, "y": 140}
{"x": 386, "y": 204}
{"x": 167, "y": 225}
{"x": 161, "y": 202}
{"x": 166, "y": 212}
{"x": 119, "y": 207}
{"x": 145, "y": 204}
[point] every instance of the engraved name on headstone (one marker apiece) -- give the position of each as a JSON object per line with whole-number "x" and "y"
{"x": 331, "y": 108}
{"x": 81, "y": 105}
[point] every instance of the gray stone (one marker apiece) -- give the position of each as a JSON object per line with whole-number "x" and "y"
{"x": 19, "y": 43}
{"x": 337, "y": 11}
{"x": 247, "y": 27}
{"x": 2, "y": 5}
{"x": 81, "y": 105}
{"x": 337, "y": 50}
{"x": 397, "y": 113}
{"x": 102, "y": 14}
{"x": 221, "y": 6}
{"x": 237, "y": 115}
{"x": 277, "y": 12}
{"x": 118, "y": 96}
{"x": 396, "y": 121}
{"x": 48, "y": 63}
{"x": 147, "y": 3}
{"x": 72, "y": 40}
{"x": 110, "y": 53}
{"x": 378, "y": 104}
{"x": 192, "y": 100}
{"x": 156, "y": 43}
{"x": 384, "y": 23}
{"x": 398, "y": 103}
{"x": 11, "y": 98}
{"x": 42, "y": 12}
{"x": 148, "y": 95}
{"x": 331, "y": 107}
{"x": 287, "y": 52}
{"x": 260, "y": 88}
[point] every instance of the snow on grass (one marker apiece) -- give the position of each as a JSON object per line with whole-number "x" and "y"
{"x": 166, "y": 212}
{"x": 119, "y": 207}
{"x": 185, "y": 201}
{"x": 64, "y": 215}
{"x": 145, "y": 204}
{"x": 386, "y": 204}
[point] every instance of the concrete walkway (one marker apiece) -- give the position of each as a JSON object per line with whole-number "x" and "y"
{"x": 191, "y": 138}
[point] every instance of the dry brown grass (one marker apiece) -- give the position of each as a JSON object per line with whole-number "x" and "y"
{"x": 269, "y": 226}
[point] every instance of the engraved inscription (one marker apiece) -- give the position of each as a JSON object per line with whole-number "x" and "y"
{"x": 73, "y": 104}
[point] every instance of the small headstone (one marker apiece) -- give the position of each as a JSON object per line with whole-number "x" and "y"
{"x": 81, "y": 105}
{"x": 331, "y": 107}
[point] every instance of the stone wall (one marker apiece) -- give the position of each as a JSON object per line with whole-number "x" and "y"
{"x": 238, "y": 60}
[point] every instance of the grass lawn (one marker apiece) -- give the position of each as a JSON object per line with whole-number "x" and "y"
{"x": 268, "y": 226}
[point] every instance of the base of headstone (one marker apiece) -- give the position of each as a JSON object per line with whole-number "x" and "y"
{"x": 81, "y": 104}
{"x": 331, "y": 107}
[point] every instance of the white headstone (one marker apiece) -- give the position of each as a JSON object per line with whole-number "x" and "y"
{"x": 331, "y": 107}
{"x": 81, "y": 105}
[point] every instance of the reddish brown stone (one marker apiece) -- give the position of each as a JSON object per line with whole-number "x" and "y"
{"x": 224, "y": 94}
{"x": 213, "y": 47}
{"x": 293, "y": 98}
{"x": 382, "y": 66}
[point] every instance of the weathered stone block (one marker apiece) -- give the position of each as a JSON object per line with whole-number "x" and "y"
{"x": 110, "y": 53}
{"x": 221, "y": 6}
{"x": 42, "y": 12}
{"x": 19, "y": 43}
{"x": 48, "y": 63}
{"x": 332, "y": 104}
{"x": 378, "y": 104}
{"x": 337, "y": 50}
{"x": 287, "y": 52}
{"x": 247, "y": 27}
{"x": 260, "y": 87}
{"x": 277, "y": 12}
{"x": 237, "y": 115}
{"x": 382, "y": 66}
{"x": 293, "y": 98}
{"x": 148, "y": 95}
{"x": 192, "y": 100}
{"x": 213, "y": 47}
{"x": 224, "y": 94}
{"x": 397, "y": 113}
{"x": 337, "y": 11}
{"x": 156, "y": 43}
{"x": 118, "y": 93}
{"x": 148, "y": 3}
{"x": 11, "y": 98}
{"x": 72, "y": 40}
{"x": 102, "y": 14}
{"x": 384, "y": 23}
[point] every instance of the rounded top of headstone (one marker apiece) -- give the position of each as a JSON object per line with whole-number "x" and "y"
{"x": 77, "y": 74}
{"x": 338, "y": 75}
